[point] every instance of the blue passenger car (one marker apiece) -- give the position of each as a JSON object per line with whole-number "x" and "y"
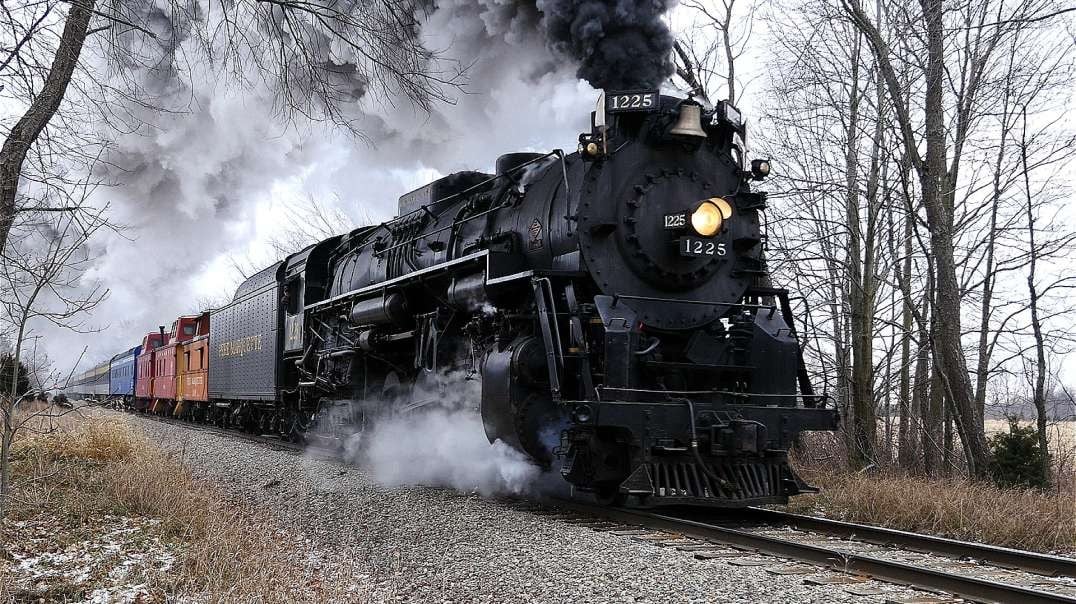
{"x": 122, "y": 373}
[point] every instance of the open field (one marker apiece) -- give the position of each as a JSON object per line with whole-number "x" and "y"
{"x": 1061, "y": 437}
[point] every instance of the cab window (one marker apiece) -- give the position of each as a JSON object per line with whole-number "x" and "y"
{"x": 292, "y": 294}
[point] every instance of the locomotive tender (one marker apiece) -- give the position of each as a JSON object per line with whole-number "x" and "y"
{"x": 613, "y": 302}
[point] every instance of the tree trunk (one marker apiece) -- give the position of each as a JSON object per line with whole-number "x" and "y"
{"x": 933, "y": 175}
{"x": 5, "y": 452}
{"x": 982, "y": 368}
{"x": 8, "y": 402}
{"x": 924, "y": 379}
{"x": 947, "y": 440}
{"x": 863, "y": 422}
{"x": 1039, "y": 396}
{"x": 29, "y": 127}
{"x": 864, "y": 314}
{"x": 730, "y": 56}
{"x": 905, "y": 443}
{"x": 837, "y": 296}
{"x": 934, "y": 423}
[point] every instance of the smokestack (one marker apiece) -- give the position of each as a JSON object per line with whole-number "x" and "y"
{"x": 161, "y": 328}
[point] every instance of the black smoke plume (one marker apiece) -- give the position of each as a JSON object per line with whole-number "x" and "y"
{"x": 618, "y": 44}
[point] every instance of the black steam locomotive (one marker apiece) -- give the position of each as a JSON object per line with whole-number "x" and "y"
{"x": 614, "y": 304}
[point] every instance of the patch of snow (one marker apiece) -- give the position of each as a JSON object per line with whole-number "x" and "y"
{"x": 115, "y": 550}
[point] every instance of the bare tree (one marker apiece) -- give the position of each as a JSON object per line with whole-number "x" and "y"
{"x": 896, "y": 246}
{"x": 318, "y": 57}
{"x": 307, "y": 222}
{"x": 1036, "y": 249}
{"x": 726, "y": 29}
{"x": 311, "y": 221}
{"x": 41, "y": 277}
{"x": 828, "y": 129}
{"x": 938, "y": 170}
{"x": 44, "y": 105}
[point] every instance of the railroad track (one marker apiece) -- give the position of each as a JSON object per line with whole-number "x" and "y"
{"x": 713, "y": 535}
{"x": 1014, "y": 559}
{"x": 716, "y": 537}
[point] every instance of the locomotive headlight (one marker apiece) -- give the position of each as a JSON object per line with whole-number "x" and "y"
{"x": 707, "y": 219}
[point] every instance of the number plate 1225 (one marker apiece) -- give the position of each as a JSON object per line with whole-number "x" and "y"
{"x": 690, "y": 246}
{"x": 641, "y": 100}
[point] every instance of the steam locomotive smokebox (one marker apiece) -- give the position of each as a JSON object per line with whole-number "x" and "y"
{"x": 510, "y": 161}
{"x": 440, "y": 190}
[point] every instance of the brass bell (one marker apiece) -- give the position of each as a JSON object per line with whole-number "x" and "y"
{"x": 690, "y": 122}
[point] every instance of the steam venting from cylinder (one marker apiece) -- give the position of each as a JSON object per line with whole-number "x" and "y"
{"x": 619, "y": 44}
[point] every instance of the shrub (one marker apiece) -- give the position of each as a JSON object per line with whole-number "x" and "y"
{"x": 1018, "y": 460}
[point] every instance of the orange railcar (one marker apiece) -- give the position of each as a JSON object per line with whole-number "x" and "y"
{"x": 191, "y": 361}
{"x": 192, "y": 376}
{"x": 170, "y": 363}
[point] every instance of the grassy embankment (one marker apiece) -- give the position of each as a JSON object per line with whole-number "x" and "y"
{"x": 950, "y": 506}
{"x": 100, "y": 510}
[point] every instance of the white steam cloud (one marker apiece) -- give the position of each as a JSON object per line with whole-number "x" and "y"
{"x": 207, "y": 180}
{"x": 445, "y": 448}
{"x": 442, "y": 443}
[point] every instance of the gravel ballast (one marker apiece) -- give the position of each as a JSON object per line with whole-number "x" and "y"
{"x": 422, "y": 544}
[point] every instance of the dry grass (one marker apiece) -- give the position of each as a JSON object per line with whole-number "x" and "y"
{"x": 950, "y": 506}
{"x": 228, "y": 552}
{"x": 972, "y": 511}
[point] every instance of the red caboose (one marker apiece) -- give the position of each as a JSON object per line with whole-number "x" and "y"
{"x": 145, "y": 372}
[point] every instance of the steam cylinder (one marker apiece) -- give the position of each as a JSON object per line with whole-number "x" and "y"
{"x": 390, "y": 308}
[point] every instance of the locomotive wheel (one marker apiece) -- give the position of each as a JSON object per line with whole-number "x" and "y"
{"x": 610, "y": 496}
{"x": 294, "y": 427}
{"x": 245, "y": 419}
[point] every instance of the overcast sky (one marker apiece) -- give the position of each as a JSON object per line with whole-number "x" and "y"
{"x": 220, "y": 176}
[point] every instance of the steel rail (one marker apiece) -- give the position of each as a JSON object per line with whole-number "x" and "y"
{"x": 1034, "y": 562}
{"x": 972, "y": 588}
